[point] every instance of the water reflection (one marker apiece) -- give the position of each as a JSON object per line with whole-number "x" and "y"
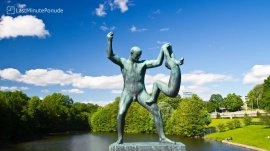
{"x": 101, "y": 142}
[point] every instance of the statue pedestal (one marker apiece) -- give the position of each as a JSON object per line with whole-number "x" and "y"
{"x": 147, "y": 146}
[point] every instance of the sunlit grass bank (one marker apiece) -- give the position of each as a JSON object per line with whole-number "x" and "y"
{"x": 253, "y": 135}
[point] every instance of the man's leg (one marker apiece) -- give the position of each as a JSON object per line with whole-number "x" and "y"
{"x": 157, "y": 87}
{"x": 154, "y": 109}
{"x": 124, "y": 104}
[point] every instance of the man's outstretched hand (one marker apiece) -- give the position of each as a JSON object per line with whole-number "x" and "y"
{"x": 110, "y": 36}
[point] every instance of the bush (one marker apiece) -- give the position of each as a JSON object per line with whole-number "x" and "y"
{"x": 236, "y": 123}
{"x": 233, "y": 124}
{"x": 265, "y": 119}
{"x": 221, "y": 127}
{"x": 247, "y": 120}
{"x": 230, "y": 125}
{"x": 218, "y": 116}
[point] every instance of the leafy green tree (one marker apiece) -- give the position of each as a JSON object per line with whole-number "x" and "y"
{"x": 190, "y": 118}
{"x": 166, "y": 111}
{"x": 173, "y": 102}
{"x": 214, "y": 103}
{"x": 57, "y": 107}
{"x": 233, "y": 102}
{"x": 12, "y": 124}
{"x": 104, "y": 120}
{"x": 139, "y": 120}
{"x": 80, "y": 114}
{"x": 255, "y": 96}
{"x": 265, "y": 102}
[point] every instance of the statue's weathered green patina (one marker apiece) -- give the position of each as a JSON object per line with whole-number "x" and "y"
{"x": 133, "y": 71}
{"x": 172, "y": 88}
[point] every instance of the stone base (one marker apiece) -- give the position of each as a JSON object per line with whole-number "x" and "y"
{"x": 147, "y": 146}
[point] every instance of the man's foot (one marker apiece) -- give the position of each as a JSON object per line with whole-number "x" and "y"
{"x": 119, "y": 141}
{"x": 166, "y": 140}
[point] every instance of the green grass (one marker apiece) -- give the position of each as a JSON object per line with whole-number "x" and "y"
{"x": 253, "y": 135}
{"x": 215, "y": 122}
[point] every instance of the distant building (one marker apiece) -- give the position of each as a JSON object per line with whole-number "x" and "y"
{"x": 187, "y": 94}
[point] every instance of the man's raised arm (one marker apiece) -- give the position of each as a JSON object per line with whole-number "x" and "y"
{"x": 110, "y": 55}
{"x": 157, "y": 62}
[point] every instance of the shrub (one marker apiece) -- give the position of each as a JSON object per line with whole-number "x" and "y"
{"x": 247, "y": 120}
{"x": 221, "y": 127}
{"x": 218, "y": 116}
{"x": 232, "y": 124}
{"x": 236, "y": 123}
{"x": 265, "y": 119}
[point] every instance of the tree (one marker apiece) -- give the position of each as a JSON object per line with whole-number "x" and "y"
{"x": 80, "y": 114}
{"x": 173, "y": 102}
{"x": 233, "y": 102}
{"x": 104, "y": 120}
{"x": 255, "y": 96}
{"x": 12, "y": 124}
{"x": 265, "y": 102}
{"x": 139, "y": 120}
{"x": 56, "y": 107}
{"x": 215, "y": 103}
{"x": 190, "y": 118}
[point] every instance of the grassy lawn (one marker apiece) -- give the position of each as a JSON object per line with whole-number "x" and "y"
{"x": 215, "y": 122}
{"x": 253, "y": 135}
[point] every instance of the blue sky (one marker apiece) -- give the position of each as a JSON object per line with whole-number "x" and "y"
{"x": 225, "y": 44}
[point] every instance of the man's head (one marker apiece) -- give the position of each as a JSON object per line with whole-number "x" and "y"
{"x": 135, "y": 53}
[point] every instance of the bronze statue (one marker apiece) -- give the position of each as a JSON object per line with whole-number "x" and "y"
{"x": 133, "y": 71}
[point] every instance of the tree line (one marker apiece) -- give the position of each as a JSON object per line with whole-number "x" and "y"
{"x": 23, "y": 117}
{"x": 181, "y": 116}
{"x": 257, "y": 98}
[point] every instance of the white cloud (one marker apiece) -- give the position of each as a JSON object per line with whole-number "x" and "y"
{"x": 27, "y": 25}
{"x": 257, "y": 74}
{"x": 162, "y": 42}
{"x": 45, "y": 77}
{"x": 164, "y": 29}
{"x": 13, "y": 88}
{"x": 198, "y": 82}
{"x": 200, "y": 77}
{"x": 135, "y": 29}
{"x": 21, "y": 5}
{"x": 100, "y": 11}
{"x": 122, "y": 4}
{"x": 106, "y": 28}
{"x": 10, "y": 74}
{"x": 73, "y": 91}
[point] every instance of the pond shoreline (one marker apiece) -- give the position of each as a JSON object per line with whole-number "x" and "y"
{"x": 243, "y": 145}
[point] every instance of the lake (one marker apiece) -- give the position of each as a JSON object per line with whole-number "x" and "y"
{"x": 101, "y": 142}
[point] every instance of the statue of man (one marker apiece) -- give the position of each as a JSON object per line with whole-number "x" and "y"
{"x": 133, "y": 71}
